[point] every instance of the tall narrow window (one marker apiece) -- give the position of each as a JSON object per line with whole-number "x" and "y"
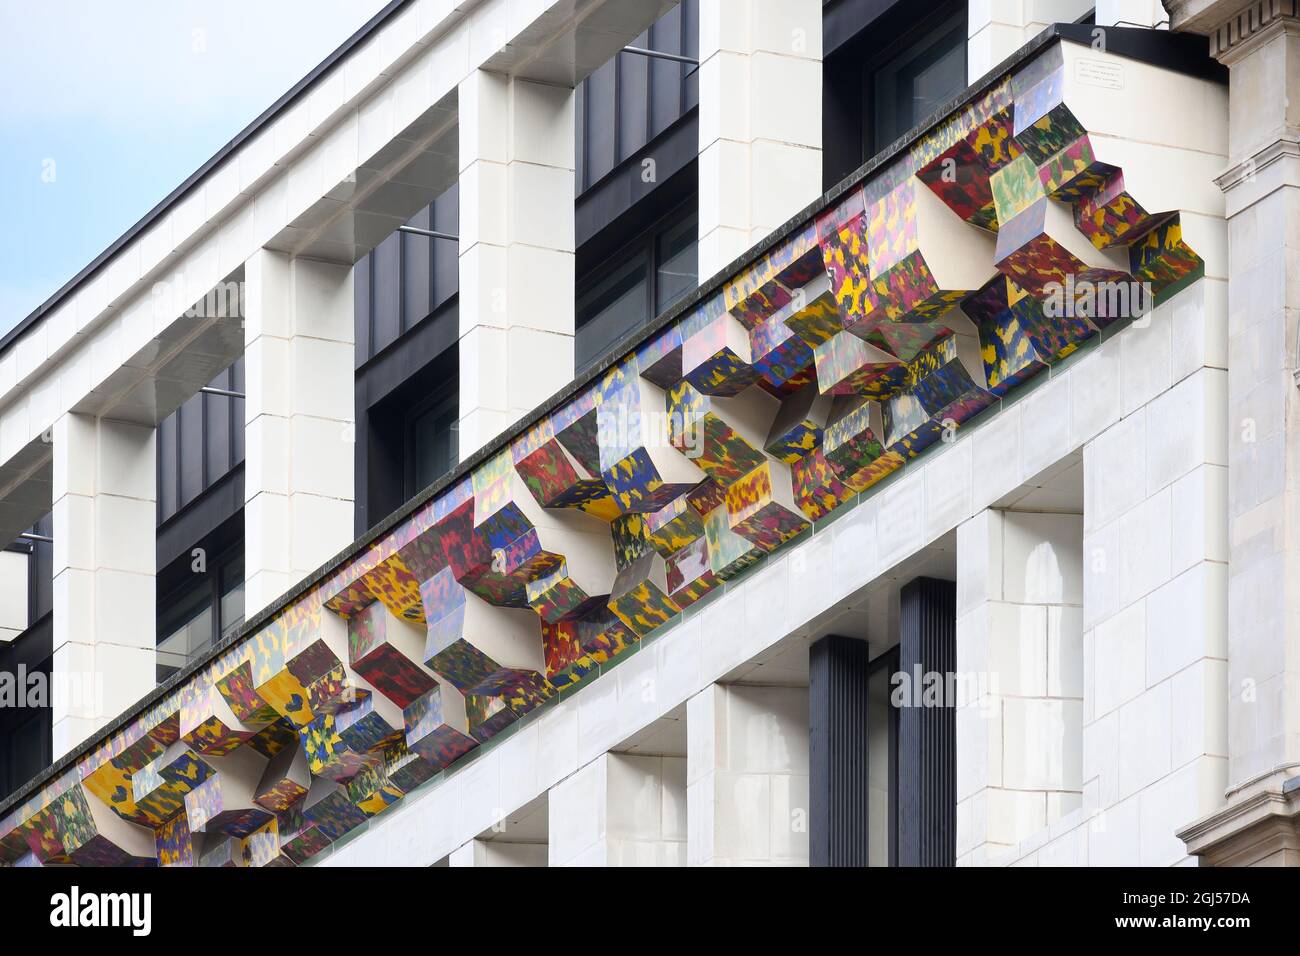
{"x": 433, "y": 445}
{"x": 677, "y": 269}
{"x": 912, "y": 85}
{"x": 611, "y": 308}
{"x": 655, "y": 270}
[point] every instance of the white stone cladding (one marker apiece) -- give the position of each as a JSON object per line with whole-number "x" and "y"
{"x": 760, "y": 120}
{"x": 299, "y": 430}
{"x": 516, "y": 302}
{"x": 104, "y": 592}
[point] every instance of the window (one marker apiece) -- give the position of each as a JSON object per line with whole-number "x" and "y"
{"x": 432, "y": 440}
{"x": 655, "y": 270}
{"x": 630, "y": 99}
{"x": 884, "y": 72}
{"x": 196, "y": 616}
{"x": 913, "y": 84}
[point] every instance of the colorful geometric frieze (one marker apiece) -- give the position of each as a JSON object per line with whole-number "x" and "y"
{"x": 993, "y": 247}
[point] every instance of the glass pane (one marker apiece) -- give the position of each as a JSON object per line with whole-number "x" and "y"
{"x": 610, "y": 309}
{"x": 184, "y": 631}
{"x": 434, "y": 437}
{"x": 678, "y": 271}
{"x": 915, "y": 83}
{"x": 231, "y": 605}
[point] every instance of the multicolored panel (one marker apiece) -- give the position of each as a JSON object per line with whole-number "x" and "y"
{"x": 797, "y": 429}
{"x": 779, "y": 355}
{"x": 817, "y": 486}
{"x": 943, "y": 395}
{"x": 173, "y": 843}
{"x": 554, "y": 480}
{"x": 814, "y": 315}
{"x": 1043, "y": 124}
{"x": 284, "y": 782}
{"x": 717, "y": 359}
{"x": 387, "y": 656}
{"x": 394, "y": 585}
{"x": 843, "y": 234}
{"x": 764, "y": 287}
{"x": 558, "y": 596}
{"x": 637, "y": 461}
{"x": 1108, "y": 215}
{"x": 853, "y": 447}
{"x": 639, "y": 598}
{"x": 706, "y": 438}
{"x": 756, "y": 508}
{"x": 503, "y": 698}
{"x": 1074, "y": 172}
{"x": 848, "y": 365}
{"x": 1164, "y": 261}
{"x": 363, "y": 728}
{"x": 1031, "y": 258}
{"x": 429, "y": 736}
{"x": 469, "y": 640}
{"x": 960, "y": 174}
{"x": 674, "y": 526}
{"x": 333, "y": 814}
{"x": 576, "y": 647}
{"x": 243, "y": 699}
{"x": 729, "y": 553}
{"x": 160, "y": 786}
{"x": 303, "y": 843}
{"x": 209, "y": 726}
{"x": 216, "y": 806}
{"x": 688, "y": 573}
{"x": 1007, "y": 347}
{"x": 1016, "y": 187}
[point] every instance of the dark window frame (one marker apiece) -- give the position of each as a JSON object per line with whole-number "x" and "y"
{"x": 644, "y": 245}
{"x": 848, "y": 115}
{"x": 681, "y": 37}
{"x": 448, "y": 391}
{"x": 213, "y": 580}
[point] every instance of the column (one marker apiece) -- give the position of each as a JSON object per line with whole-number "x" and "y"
{"x": 1020, "y": 657}
{"x": 838, "y": 797}
{"x": 1259, "y": 42}
{"x": 1155, "y": 590}
{"x": 299, "y": 421}
{"x": 105, "y": 521}
{"x": 516, "y": 251}
{"x": 760, "y": 120}
{"x": 927, "y": 729}
{"x": 620, "y": 810}
{"x": 747, "y": 776}
{"x": 1263, "y": 193}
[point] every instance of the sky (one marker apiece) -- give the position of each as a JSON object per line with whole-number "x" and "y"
{"x": 105, "y": 107}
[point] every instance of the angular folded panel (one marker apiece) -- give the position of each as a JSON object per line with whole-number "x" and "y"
{"x": 387, "y": 652}
{"x": 854, "y": 445}
{"x": 637, "y": 460}
{"x": 721, "y": 436}
{"x": 946, "y": 388}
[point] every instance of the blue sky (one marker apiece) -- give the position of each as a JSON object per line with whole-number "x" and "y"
{"x": 106, "y": 107}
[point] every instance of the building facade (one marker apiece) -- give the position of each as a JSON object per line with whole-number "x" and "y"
{"x": 734, "y": 431}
